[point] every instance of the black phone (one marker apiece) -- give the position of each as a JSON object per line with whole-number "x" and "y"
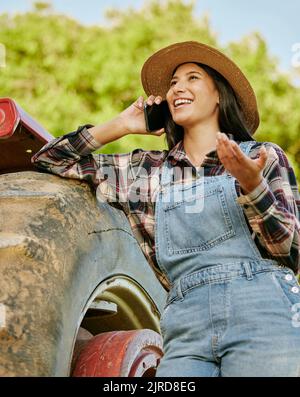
{"x": 155, "y": 116}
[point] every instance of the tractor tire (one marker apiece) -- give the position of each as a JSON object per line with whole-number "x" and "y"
{"x": 60, "y": 249}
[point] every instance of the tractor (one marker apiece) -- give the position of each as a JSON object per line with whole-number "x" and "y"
{"x": 77, "y": 296}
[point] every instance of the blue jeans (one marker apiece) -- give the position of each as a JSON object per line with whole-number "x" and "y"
{"x": 233, "y": 320}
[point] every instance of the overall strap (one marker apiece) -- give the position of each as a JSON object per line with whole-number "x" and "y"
{"x": 166, "y": 174}
{"x": 246, "y": 146}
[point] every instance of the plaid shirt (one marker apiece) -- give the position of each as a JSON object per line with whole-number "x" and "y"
{"x": 271, "y": 210}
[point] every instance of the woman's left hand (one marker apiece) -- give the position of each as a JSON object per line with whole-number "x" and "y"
{"x": 247, "y": 171}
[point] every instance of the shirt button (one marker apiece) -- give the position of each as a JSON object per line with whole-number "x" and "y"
{"x": 289, "y": 277}
{"x": 295, "y": 290}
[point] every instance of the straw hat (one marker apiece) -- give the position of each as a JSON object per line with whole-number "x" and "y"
{"x": 157, "y": 73}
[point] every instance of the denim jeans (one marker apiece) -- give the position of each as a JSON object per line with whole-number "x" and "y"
{"x": 233, "y": 320}
{"x": 230, "y": 312}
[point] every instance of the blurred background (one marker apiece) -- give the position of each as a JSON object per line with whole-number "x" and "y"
{"x": 69, "y": 62}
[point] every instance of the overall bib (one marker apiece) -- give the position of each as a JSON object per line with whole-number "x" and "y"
{"x": 229, "y": 312}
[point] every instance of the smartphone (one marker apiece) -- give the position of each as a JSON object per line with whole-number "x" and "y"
{"x": 155, "y": 116}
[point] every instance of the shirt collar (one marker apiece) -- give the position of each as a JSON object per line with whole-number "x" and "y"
{"x": 177, "y": 154}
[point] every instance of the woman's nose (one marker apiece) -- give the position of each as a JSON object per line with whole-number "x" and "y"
{"x": 179, "y": 87}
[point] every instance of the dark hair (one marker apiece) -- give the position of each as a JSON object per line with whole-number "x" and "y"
{"x": 231, "y": 119}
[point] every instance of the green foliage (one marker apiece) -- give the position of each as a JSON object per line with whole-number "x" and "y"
{"x": 65, "y": 74}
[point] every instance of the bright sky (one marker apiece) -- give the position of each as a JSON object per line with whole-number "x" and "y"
{"x": 277, "y": 20}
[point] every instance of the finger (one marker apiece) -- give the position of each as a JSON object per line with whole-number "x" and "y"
{"x": 139, "y": 102}
{"x": 220, "y": 141}
{"x": 263, "y": 157}
{"x": 150, "y": 100}
{"x": 263, "y": 151}
{"x": 237, "y": 150}
{"x": 220, "y": 147}
{"x": 234, "y": 149}
{"x": 226, "y": 150}
{"x": 158, "y": 100}
{"x": 159, "y": 132}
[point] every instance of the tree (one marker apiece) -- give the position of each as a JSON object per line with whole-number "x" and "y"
{"x": 66, "y": 74}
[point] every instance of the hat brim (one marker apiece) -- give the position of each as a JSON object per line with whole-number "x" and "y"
{"x": 157, "y": 73}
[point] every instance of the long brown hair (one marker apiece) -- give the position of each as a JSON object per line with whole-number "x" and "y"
{"x": 231, "y": 119}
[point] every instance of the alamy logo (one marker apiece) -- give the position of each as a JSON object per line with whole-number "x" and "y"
{"x": 142, "y": 185}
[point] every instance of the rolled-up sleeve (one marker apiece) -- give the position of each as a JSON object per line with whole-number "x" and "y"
{"x": 273, "y": 208}
{"x": 70, "y": 156}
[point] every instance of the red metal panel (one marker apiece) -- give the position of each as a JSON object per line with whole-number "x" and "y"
{"x": 20, "y": 137}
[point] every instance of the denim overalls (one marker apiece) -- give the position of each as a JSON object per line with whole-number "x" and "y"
{"x": 229, "y": 311}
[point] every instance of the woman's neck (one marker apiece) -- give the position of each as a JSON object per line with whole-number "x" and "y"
{"x": 199, "y": 141}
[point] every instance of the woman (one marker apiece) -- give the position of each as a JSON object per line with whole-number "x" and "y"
{"x": 223, "y": 239}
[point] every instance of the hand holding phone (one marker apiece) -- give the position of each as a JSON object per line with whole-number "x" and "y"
{"x": 155, "y": 116}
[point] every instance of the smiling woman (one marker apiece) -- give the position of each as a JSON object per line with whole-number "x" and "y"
{"x": 222, "y": 239}
{"x": 200, "y": 90}
{"x": 229, "y": 116}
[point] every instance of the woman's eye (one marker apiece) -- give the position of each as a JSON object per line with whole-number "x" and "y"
{"x": 174, "y": 82}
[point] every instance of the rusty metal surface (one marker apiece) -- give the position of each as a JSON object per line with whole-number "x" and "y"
{"x": 55, "y": 250}
{"x": 120, "y": 354}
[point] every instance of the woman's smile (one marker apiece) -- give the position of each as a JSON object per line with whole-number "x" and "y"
{"x": 181, "y": 102}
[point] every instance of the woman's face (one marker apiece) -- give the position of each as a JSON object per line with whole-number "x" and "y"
{"x": 191, "y": 82}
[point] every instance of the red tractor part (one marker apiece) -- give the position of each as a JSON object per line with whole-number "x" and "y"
{"x": 25, "y": 135}
{"x": 120, "y": 354}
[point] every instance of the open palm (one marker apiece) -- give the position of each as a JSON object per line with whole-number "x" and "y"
{"x": 249, "y": 172}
